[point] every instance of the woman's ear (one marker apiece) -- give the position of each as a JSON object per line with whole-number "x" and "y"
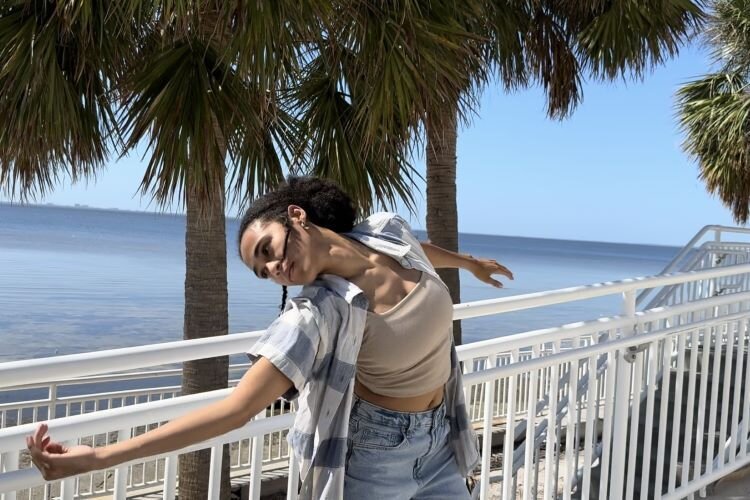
{"x": 296, "y": 214}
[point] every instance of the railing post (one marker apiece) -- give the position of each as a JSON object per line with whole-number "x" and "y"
{"x": 121, "y": 473}
{"x": 214, "y": 472}
{"x": 489, "y": 402}
{"x": 256, "y": 461}
{"x": 622, "y": 401}
{"x": 52, "y": 407}
{"x": 9, "y": 462}
{"x": 170, "y": 478}
{"x": 510, "y": 433}
{"x": 68, "y": 485}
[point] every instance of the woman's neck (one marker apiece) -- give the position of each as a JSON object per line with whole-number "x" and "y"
{"x": 345, "y": 257}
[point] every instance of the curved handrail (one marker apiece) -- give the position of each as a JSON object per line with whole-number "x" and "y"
{"x": 719, "y": 229}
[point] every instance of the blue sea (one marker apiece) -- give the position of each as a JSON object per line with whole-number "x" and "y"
{"x": 78, "y": 279}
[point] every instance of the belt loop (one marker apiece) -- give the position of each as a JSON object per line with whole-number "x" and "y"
{"x": 439, "y": 415}
{"x": 356, "y": 403}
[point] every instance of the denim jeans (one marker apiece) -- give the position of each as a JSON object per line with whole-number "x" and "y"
{"x": 394, "y": 455}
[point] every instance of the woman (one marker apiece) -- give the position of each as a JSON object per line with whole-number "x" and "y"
{"x": 366, "y": 348}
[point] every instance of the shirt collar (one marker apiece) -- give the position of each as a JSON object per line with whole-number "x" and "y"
{"x": 345, "y": 288}
{"x": 393, "y": 248}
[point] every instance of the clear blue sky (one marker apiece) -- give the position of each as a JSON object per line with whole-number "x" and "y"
{"x": 613, "y": 171}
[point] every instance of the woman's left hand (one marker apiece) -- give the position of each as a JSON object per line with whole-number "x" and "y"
{"x": 55, "y": 460}
{"x": 483, "y": 269}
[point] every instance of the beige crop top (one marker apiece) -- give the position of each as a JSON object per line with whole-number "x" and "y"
{"x": 406, "y": 350}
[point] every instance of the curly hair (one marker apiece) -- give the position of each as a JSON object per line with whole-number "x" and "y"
{"x": 325, "y": 203}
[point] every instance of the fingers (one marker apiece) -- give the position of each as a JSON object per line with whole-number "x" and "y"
{"x": 493, "y": 282}
{"x": 39, "y": 434}
{"x": 501, "y": 269}
{"x": 491, "y": 266}
{"x": 36, "y": 457}
{"x": 56, "y": 448}
{"x": 36, "y": 444}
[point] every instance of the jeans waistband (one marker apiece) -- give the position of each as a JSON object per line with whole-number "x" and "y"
{"x": 407, "y": 420}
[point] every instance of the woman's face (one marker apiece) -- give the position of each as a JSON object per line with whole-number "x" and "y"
{"x": 263, "y": 244}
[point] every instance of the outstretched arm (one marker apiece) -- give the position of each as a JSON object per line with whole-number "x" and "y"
{"x": 259, "y": 387}
{"x": 483, "y": 269}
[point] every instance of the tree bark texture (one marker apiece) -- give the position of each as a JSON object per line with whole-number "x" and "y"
{"x": 206, "y": 315}
{"x": 442, "y": 212}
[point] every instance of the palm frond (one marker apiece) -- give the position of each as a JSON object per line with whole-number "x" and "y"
{"x": 714, "y": 114}
{"x": 729, "y": 34}
{"x": 551, "y": 61}
{"x": 186, "y": 104}
{"x": 269, "y": 38}
{"x": 375, "y": 172}
{"x": 407, "y": 57}
{"x": 628, "y": 38}
{"x": 266, "y": 143}
{"x": 54, "y": 95}
{"x": 506, "y": 24}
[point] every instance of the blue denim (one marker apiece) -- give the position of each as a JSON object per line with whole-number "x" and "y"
{"x": 394, "y": 455}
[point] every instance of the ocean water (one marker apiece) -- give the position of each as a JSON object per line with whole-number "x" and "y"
{"x": 75, "y": 280}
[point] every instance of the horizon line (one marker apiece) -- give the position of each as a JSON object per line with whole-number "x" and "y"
{"x": 82, "y": 206}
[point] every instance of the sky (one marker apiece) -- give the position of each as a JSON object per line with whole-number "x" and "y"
{"x": 613, "y": 171}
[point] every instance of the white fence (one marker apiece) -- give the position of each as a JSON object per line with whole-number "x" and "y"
{"x": 144, "y": 475}
{"x": 566, "y": 393}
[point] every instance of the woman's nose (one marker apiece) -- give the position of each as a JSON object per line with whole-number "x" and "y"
{"x": 273, "y": 268}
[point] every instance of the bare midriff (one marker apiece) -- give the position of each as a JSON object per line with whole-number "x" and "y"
{"x": 421, "y": 402}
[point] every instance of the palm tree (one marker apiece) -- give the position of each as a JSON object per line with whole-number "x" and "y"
{"x": 555, "y": 44}
{"x": 714, "y": 111}
{"x": 224, "y": 94}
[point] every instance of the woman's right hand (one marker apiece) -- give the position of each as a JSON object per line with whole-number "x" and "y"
{"x": 483, "y": 269}
{"x": 56, "y": 461}
{"x": 259, "y": 387}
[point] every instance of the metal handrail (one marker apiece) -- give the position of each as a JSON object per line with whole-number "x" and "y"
{"x": 26, "y": 372}
{"x": 718, "y": 229}
{"x": 172, "y": 352}
{"x": 24, "y": 478}
{"x": 103, "y": 421}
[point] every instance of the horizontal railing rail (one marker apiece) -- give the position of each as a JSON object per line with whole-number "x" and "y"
{"x": 506, "y": 377}
{"x": 25, "y": 372}
{"x": 708, "y": 255}
{"x": 70, "y": 428}
{"x": 120, "y": 377}
{"x": 679, "y": 261}
{"x": 21, "y": 479}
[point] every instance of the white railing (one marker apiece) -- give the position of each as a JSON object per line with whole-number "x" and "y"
{"x": 570, "y": 444}
{"x": 705, "y": 250}
{"x": 147, "y": 474}
{"x": 524, "y": 378}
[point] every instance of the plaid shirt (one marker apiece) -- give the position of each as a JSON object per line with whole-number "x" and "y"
{"x": 316, "y": 342}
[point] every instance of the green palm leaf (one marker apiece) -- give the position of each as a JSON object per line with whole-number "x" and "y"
{"x": 55, "y": 94}
{"x": 714, "y": 111}
{"x": 630, "y": 37}
{"x": 185, "y": 104}
{"x": 372, "y": 171}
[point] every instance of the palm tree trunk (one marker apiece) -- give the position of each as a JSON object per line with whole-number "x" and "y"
{"x": 206, "y": 315}
{"x": 442, "y": 214}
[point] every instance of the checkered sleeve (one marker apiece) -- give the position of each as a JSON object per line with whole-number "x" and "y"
{"x": 291, "y": 343}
